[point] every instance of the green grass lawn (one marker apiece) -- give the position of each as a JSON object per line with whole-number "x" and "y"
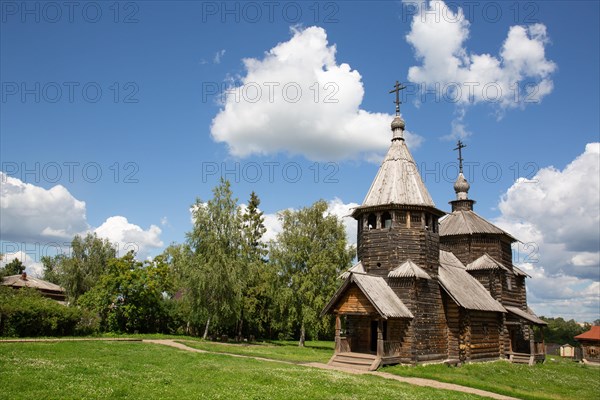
{"x": 557, "y": 378}
{"x": 313, "y": 351}
{"x": 135, "y": 370}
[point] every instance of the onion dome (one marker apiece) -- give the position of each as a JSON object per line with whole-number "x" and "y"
{"x": 461, "y": 187}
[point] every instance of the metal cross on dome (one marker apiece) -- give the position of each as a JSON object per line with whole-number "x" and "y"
{"x": 459, "y": 146}
{"x": 397, "y": 88}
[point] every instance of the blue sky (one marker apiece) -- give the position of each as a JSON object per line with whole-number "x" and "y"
{"x": 115, "y": 117}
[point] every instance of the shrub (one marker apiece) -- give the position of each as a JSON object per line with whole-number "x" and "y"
{"x": 25, "y": 312}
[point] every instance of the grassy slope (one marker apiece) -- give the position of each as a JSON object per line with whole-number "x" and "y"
{"x": 133, "y": 370}
{"x": 276, "y": 350}
{"x": 557, "y": 378}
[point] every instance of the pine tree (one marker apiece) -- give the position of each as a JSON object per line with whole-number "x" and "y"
{"x": 258, "y": 283}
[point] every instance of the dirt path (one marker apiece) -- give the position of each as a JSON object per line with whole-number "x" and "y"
{"x": 413, "y": 381}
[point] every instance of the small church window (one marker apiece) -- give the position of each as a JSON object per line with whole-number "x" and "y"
{"x": 401, "y": 217}
{"x": 509, "y": 282}
{"x": 371, "y": 221}
{"x": 415, "y": 218}
{"x": 387, "y": 220}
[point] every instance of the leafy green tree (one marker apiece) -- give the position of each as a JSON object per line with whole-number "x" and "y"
{"x": 561, "y": 331}
{"x": 89, "y": 259}
{"x": 213, "y": 272}
{"x": 52, "y": 268}
{"x": 178, "y": 257}
{"x": 133, "y": 296}
{"x": 15, "y": 267}
{"x": 309, "y": 254}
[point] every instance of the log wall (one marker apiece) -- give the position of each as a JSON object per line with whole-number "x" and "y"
{"x": 401, "y": 330}
{"x": 430, "y": 327}
{"x": 485, "y": 335}
{"x": 454, "y": 329}
{"x": 383, "y": 249}
{"x": 468, "y": 248}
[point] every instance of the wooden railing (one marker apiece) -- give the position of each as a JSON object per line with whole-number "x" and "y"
{"x": 391, "y": 348}
{"x": 344, "y": 345}
{"x": 539, "y": 348}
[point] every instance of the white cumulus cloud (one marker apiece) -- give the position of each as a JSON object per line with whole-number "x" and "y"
{"x": 335, "y": 207}
{"x": 561, "y": 206}
{"x": 297, "y": 99}
{"x": 34, "y": 217}
{"x": 32, "y": 266}
{"x": 128, "y": 236}
{"x": 342, "y": 210}
{"x": 32, "y": 213}
{"x": 556, "y": 215}
{"x": 520, "y": 74}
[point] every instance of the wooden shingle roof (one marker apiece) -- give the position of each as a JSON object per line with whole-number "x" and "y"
{"x": 18, "y": 281}
{"x": 408, "y": 269}
{"x": 465, "y": 290}
{"x": 358, "y": 267}
{"x": 377, "y": 291}
{"x": 486, "y": 262}
{"x": 527, "y": 315}
{"x": 520, "y": 272}
{"x": 398, "y": 180}
{"x": 467, "y": 222}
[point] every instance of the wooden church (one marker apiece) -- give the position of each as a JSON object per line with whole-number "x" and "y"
{"x": 429, "y": 286}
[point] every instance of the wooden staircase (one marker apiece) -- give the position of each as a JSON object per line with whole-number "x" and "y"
{"x": 359, "y": 361}
{"x": 519, "y": 358}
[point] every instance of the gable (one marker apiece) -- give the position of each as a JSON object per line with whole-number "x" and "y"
{"x": 354, "y": 301}
{"x": 376, "y": 292}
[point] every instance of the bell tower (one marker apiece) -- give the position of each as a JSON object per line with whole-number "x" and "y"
{"x": 398, "y": 220}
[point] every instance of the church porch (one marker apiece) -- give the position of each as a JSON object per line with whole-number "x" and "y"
{"x": 370, "y": 323}
{"x": 523, "y": 348}
{"x": 373, "y": 337}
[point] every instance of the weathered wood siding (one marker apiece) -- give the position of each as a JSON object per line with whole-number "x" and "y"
{"x": 473, "y": 335}
{"x": 383, "y": 249}
{"x": 485, "y": 335}
{"x": 428, "y": 330}
{"x": 354, "y": 302}
{"x": 430, "y": 327}
{"x": 400, "y": 330}
{"x": 454, "y": 332}
{"x": 468, "y": 248}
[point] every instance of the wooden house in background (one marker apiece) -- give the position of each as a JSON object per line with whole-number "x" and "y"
{"x": 46, "y": 289}
{"x": 590, "y": 344}
{"x": 429, "y": 286}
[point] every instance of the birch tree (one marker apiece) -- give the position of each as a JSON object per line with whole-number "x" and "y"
{"x": 309, "y": 254}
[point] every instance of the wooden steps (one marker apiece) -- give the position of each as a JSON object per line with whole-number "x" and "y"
{"x": 360, "y": 361}
{"x": 524, "y": 358}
